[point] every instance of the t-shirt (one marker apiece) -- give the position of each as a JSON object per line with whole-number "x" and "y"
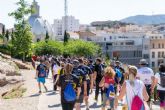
{"x": 99, "y": 69}
{"x": 64, "y": 80}
{"x": 131, "y": 91}
{"x": 80, "y": 74}
{"x": 91, "y": 66}
{"x": 41, "y": 68}
{"x": 145, "y": 75}
{"x": 157, "y": 76}
{"x": 87, "y": 71}
{"x": 56, "y": 69}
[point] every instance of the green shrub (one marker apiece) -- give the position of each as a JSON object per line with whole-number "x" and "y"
{"x": 50, "y": 47}
{"x": 5, "y": 49}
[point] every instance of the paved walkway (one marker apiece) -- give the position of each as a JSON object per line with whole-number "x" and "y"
{"x": 51, "y": 100}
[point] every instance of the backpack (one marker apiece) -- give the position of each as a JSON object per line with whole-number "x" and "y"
{"x": 137, "y": 103}
{"x": 162, "y": 80}
{"x": 69, "y": 93}
{"x": 110, "y": 92}
{"x": 42, "y": 70}
{"x": 118, "y": 76}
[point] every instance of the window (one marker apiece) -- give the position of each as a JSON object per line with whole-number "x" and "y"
{"x": 104, "y": 39}
{"x": 146, "y": 56}
{"x": 121, "y": 43}
{"x": 159, "y": 54}
{"x": 153, "y": 64}
{"x": 159, "y": 46}
{"x": 162, "y": 54}
{"x": 153, "y": 45}
{"x": 163, "y": 45}
{"x": 129, "y": 43}
{"x": 153, "y": 54}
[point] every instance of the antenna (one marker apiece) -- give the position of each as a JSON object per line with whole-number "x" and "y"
{"x": 66, "y": 14}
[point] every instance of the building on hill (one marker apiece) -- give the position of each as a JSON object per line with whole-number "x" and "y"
{"x": 39, "y": 26}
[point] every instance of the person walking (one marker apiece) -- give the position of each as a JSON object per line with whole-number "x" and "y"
{"x": 41, "y": 74}
{"x": 106, "y": 84}
{"x": 69, "y": 88}
{"x": 160, "y": 82}
{"x": 146, "y": 75}
{"x": 135, "y": 92}
{"x": 98, "y": 75}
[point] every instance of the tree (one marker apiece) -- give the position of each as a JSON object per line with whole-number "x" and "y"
{"x": 7, "y": 35}
{"x": 22, "y": 36}
{"x": 47, "y": 36}
{"x": 81, "y": 48}
{"x": 3, "y": 33}
{"x": 66, "y": 37}
{"x": 50, "y": 47}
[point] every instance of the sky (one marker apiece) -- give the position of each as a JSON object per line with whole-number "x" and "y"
{"x": 86, "y": 10}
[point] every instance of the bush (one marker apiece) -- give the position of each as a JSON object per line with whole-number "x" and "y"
{"x": 5, "y": 49}
{"x": 50, "y": 47}
{"x": 81, "y": 48}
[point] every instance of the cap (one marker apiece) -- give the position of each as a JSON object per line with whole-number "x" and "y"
{"x": 143, "y": 62}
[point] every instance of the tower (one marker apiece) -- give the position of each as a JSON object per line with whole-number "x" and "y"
{"x": 36, "y": 8}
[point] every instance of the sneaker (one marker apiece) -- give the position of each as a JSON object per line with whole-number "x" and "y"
{"x": 39, "y": 92}
{"x": 46, "y": 89}
{"x": 87, "y": 108}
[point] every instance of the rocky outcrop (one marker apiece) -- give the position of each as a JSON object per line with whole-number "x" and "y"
{"x": 3, "y": 81}
{"x": 19, "y": 63}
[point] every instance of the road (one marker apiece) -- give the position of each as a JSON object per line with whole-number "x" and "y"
{"x": 51, "y": 100}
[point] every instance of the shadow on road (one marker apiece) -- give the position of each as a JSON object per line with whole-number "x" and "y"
{"x": 95, "y": 105}
{"x": 35, "y": 95}
{"x": 53, "y": 106}
{"x": 51, "y": 93}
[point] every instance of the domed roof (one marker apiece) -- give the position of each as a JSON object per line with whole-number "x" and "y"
{"x": 38, "y": 27}
{"x": 31, "y": 20}
{"x": 48, "y": 28}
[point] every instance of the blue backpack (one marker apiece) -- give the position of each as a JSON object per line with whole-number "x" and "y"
{"x": 69, "y": 93}
{"x": 42, "y": 70}
{"x": 111, "y": 92}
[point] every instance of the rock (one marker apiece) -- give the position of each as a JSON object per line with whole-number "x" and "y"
{"x": 3, "y": 81}
{"x": 8, "y": 68}
{"x": 22, "y": 65}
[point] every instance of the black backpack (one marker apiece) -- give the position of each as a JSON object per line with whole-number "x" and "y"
{"x": 162, "y": 80}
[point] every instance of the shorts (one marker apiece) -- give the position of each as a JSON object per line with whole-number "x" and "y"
{"x": 162, "y": 98}
{"x": 148, "y": 88}
{"x": 88, "y": 89}
{"x": 105, "y": 99}
{"x": 41, "y": 80}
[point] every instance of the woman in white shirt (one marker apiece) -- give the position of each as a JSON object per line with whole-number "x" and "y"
{"x": 160, "y": 82}
{"x": 131, "y": 87}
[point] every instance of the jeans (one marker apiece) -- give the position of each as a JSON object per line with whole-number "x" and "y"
{"x": 97, "y": 90}
{"x": 67, "y": 106}
{"x": 105, "y": 99}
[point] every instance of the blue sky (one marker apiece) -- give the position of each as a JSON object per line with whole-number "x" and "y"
{"x": 87, "y": 10}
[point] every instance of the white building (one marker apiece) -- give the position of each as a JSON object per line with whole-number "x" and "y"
{"x": 59, "y": 26}
{"x": 157, "y": 50}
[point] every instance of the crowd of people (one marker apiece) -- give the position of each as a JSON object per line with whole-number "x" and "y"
{"x": 77, "y": 78}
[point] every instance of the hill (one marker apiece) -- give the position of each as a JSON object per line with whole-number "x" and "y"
{"x": 145, "y": 19}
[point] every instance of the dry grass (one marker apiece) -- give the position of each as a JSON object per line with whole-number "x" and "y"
{"x": 14, "y": 93}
